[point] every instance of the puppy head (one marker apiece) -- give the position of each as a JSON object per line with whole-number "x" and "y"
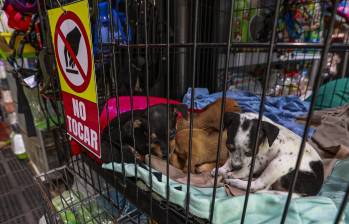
{"x": 241, "y": 134}
{"x": 158, "y": 126}
{"x": 158, "y": 117}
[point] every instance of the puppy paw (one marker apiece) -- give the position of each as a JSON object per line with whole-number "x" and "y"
{"x": 214, "y": 171}
{"x": 233, "y": 175}
{"x": 221, "y": 172}
{"x": 230, "y": 175}
{"x": 241, "y": 184}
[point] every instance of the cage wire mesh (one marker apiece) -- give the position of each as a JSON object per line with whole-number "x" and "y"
{"x": 168, "y": 49}
{"x": 72, "y": 199}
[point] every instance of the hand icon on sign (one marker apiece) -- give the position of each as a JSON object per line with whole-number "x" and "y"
{"x": 73, "y": 38}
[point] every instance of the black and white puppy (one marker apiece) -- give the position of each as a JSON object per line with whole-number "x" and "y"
{"x": 276, "y": 156}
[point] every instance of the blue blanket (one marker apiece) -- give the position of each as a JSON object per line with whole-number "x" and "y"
{"x": 282, "y": 110}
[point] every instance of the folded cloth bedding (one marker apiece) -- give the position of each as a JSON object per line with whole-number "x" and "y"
{"x": 336, "y": 185}
{"x": 282, "y": 110}
{"x": 306, "y": 210}
{"x": 332, "y": 131}
{"x": 203, "y": 180}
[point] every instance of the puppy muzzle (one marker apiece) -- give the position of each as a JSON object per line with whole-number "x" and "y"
{"x": 235, "y": 167}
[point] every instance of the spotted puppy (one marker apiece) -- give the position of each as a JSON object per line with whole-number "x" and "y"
{"x": 276, "y": 156}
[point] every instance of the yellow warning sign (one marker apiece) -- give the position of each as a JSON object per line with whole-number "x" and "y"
{"x": 71, "y": 35}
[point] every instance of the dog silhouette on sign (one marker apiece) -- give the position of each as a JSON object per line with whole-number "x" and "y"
{"x": 73, "y": 38}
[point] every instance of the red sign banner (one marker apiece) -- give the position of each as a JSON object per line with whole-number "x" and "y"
{"x": 79, "y": 124}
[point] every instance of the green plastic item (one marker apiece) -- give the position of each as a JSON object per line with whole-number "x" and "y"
{"x": 38, "y": 112}
{"x": 74, "y": 208}
{"x": 22, "y": 156}
{"x": 243, "y": 13}
{"x": 62, "y": 204}
{"x": 332, "y": 94}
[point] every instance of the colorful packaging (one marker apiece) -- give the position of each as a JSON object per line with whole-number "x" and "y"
{"x": 244, "y": 11}
{"x": 300, "y": 22}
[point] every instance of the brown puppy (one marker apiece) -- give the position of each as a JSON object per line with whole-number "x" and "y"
{"x": 205, "y": 138}
{"x": 204, "y": 150}
{"x": 209, "y": 119}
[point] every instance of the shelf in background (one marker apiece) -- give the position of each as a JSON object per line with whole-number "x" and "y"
{"x": 257, "y": 58}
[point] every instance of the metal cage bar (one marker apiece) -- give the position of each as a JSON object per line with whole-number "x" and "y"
{"x": 202, "y": 50}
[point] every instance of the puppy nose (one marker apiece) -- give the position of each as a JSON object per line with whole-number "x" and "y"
{"x": 236, "y": 167}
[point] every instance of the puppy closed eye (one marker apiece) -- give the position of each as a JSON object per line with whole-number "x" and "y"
{"x": 248, "y": 154}
{"x": 231, "y": 147}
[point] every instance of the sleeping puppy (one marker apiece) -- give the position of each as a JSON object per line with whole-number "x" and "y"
{"x": 204, "y": 150}
{"x": 157, "y": 127}
{"x": 138, "y": 145}
{"x": 276, "y": 156}
{"x": 205, "y": 138}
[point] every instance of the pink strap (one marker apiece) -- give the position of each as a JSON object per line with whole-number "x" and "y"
{"x": 139, "y": 103}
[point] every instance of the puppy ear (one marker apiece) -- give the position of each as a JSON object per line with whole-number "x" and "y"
{"x": 271, "y": 131}
{"x": 231, "y": 118}
{"x": 182, "y": 108}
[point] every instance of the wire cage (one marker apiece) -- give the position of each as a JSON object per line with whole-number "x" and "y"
{"x": 71, "y": 199}
{"x": 182, "y": 50}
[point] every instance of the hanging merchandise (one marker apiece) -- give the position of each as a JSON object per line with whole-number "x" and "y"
{"x": 300, "y": 21}
{"x": 19, "y": 13}
{"x": 24, "y": 20}
{"x": 32, "y": 36}
{"x": 243, "y": 13}
{"x": 252, "y": 20}
{"x": 23, "y": 107}
{"x": 4, "y": 23}
{"x": 102, "y": 27}
{"x": 343, "y": 10}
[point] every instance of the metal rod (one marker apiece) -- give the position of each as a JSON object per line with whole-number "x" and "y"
{"x": 181, "y": 30}
{"x": 131, "y": 90}
{"x": 168, "y": 107}
{"x": 261, "y": 108}
{"x": 117, "y": 95}
{"x": 283, "y": 45}
{"x": 148, "y": 111}
{"x": 191, "y": 112}
{"x": 317, "y": 80}
{"x": 227, "y": 59}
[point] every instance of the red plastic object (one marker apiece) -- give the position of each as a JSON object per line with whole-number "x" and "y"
{"x": 139, "y": 103}
{"x": 75, "y": 147}
{"x": 17, "y": 20}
